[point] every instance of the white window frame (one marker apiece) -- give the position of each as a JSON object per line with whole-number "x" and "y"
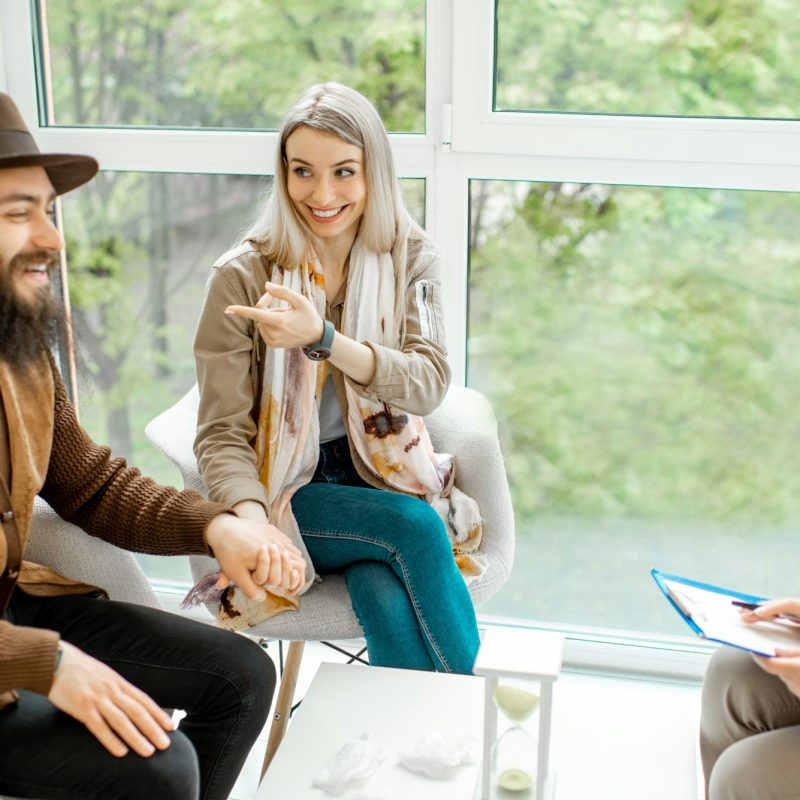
{"x": 663, "y": 151}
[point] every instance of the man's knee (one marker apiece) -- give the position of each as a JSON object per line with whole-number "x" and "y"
{"x": 172, "y": 773}
{"x": 252, "y": 674}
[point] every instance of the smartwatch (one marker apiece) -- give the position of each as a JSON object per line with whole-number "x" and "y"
{"x": 321, "y": 350}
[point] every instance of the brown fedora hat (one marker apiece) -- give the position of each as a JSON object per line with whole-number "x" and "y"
{"x": 18, "y": 149}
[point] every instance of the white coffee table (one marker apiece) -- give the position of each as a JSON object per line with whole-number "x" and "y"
{"x": 399, "y": 707}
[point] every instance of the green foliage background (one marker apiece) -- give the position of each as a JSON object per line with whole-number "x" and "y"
{"x": 236, "y": 64}
{"x": 642, "y": 349}
{"x": 726, "y": 58}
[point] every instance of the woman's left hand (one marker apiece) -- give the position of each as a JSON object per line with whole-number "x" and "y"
{"x": 295, "y": 325}
{"x": 785, "y": 665}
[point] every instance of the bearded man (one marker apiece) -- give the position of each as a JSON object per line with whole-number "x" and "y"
{"x": 84, "y": 680}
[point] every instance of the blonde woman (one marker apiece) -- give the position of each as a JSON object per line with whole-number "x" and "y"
{"x": 319, "y": 348}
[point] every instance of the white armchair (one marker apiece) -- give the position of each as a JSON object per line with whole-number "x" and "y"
{"x": 463, "y": 425}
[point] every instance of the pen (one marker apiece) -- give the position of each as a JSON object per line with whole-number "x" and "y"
{"x": 745, "y": 605}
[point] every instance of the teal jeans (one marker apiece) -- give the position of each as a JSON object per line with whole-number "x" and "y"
{"x": 396, "y": 558}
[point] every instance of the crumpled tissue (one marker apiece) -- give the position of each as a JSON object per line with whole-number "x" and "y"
{"x": 438, "y": 753}
{"x": 354, "y": 764}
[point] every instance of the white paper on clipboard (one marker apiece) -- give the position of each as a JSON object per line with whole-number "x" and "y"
{"x": 720, "y": 621}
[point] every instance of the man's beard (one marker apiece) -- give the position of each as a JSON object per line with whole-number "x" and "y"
{"x": 27, "y": 328}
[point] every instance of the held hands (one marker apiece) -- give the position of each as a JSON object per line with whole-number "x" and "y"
{"x": 295, "y": 325}
{"x": 120, "y": 716}
{"x": 786, "y": 664}
{"x": 253, "y": 555}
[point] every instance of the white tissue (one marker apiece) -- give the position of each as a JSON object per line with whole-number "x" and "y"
{"x": 439, "y": 753}
{"x": 354, "y": 763}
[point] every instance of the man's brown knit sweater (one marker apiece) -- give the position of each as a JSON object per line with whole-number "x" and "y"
{"x": 99, "y": 494}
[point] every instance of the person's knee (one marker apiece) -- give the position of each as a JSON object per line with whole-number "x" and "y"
{"x": 729, "y": 667}
{"x": 253, "y": 672}
{"x": 172, "y": 773}
{"x": 725, "y": 676}
{"x": 762, "y": 766}
{"x": 736, "y": 687}
{"x": 730, "y": 779}
{"x": 414, "y": 524}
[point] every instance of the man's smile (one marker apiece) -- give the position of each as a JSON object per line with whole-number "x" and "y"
{"x": 34, "y": 268}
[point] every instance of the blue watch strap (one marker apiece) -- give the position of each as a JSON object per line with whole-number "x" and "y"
{"x": 321, "y": 350}
{"x": 327, "y": 334}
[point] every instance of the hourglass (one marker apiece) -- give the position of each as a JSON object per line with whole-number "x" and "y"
{"x": 520, "y": 668}
{"x": 513, "y": 757}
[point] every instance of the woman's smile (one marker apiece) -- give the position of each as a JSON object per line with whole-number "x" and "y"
{"x": 327, "y": 214}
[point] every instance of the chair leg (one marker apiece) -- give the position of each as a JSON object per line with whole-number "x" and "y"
{"x": 283, "y": 704}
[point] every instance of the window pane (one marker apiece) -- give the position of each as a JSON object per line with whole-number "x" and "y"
{"x": 668, "y": 57}
{"x": 640, "y": 349}
{"x": 140, "y": 247}
{"x": 236, "y": 64}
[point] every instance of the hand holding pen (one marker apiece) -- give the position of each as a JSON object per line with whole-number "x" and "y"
{"x": 786, "y": 662}
{"x": 787, "y": 608}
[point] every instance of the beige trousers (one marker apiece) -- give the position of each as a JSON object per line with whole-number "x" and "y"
{"x": 749, "y": 731}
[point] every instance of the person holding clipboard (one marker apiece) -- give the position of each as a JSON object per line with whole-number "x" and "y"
{"x": 750, "y": 721}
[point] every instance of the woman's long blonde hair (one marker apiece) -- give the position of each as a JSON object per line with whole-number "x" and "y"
{"x": 282, "y": 235}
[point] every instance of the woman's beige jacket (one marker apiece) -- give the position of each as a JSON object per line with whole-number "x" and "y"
{"x": 229, "y": 354}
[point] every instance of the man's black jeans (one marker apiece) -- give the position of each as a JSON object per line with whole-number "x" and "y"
{"x": 223, "y": 681}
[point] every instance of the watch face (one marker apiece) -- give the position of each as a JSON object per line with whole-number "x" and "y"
{"x": 318, "y": 353}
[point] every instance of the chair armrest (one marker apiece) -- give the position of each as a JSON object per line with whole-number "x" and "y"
{"x": 465, "y": 425}
{"x": 74, "y": 554}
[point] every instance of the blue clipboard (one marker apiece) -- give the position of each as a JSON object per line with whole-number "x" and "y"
{"x": 771, "y": 636}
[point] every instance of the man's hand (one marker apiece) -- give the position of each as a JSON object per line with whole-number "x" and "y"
{"x": 294, "y": 325}
{"x": 255, "y": 554}
{"x": 119, "y": 715}
{"x": 786, "y": 665}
